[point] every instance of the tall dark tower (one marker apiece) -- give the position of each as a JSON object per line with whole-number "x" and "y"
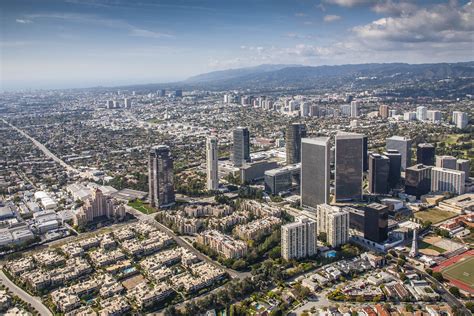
{"x": 160, "y": 177}
{"x": 365, "y": 153}
{"x": 241, "y": 151}
{"x": 379, "y": 168}
{"x": 294, "y": 133}
{"x": 376, "y": 222}
{"x": 425, "y": 154}
{"x": 394, "y": 173}
{"x": 349, "y": 165}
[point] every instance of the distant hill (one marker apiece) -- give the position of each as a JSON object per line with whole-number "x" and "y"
{"x": 302, "y": 76}
{"x": 363, "y": 76}
{"x": 236, "y": 73}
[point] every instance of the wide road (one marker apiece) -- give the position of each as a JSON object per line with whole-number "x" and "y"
{"x": 33, "y": 300}
{"x": 184, "y": 243}
{"x": 45, "y": 150}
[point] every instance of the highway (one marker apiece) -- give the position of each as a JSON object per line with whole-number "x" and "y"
{"x": 33, "y": 300}
{"x": 184, "y": 243}
{"x": 45, "y": 150}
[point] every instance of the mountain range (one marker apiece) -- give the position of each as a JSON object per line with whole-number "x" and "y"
{"x": 291, "y": 77}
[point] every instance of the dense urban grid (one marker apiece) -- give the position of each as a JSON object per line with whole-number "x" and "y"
{"x": 347, "y": 200}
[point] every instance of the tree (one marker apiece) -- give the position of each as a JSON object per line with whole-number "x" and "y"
{"x": 455, "y": 291}
{"x": 409, "y": 308}
{"x": 438, "y": 276}
{"x": 470, "y": 306}
{"x": 322, "y": 236}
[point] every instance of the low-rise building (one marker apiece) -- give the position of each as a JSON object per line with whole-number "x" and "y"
{"x": 223, "y": 244}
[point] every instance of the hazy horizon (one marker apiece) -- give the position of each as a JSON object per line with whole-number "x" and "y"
{"x": 77, "y": 44}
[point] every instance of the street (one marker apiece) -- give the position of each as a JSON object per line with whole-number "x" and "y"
{"x": 33, "y": 300}
{"x": 43, "y": 148}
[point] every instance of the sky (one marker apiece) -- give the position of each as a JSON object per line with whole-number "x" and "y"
{"x": 83, "y": 43}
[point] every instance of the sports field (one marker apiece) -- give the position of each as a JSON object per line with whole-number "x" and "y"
{"x": 462, "y": 271}
{"x": 434, "y": 215}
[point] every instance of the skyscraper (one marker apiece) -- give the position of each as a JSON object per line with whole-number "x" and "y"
{"x": 365, "y": 158}
{"x": 418, "y": 180}
{"x": 434, "y": 116}
{"x": 460, "y": 119}
{"x": 394, "y": 173}
{"x": 376, "y": 222}
{"x": 383, "y": 111}
{"x": 464, "y": 165}
{"x": 354, "y": 109}
{"x": 298, "y": 239}
{"x": 448, "y": 180}
{"x": 127, "y": 103}
{"x": 403, "y": 145}
{"x": 334, "y": 222}
{"x": 379, "y": 168}
{"x": 421, "y": 113}
{"x": 241, "y": 151}
{"x": 448, "y": 162}
{"x": 212, "y": 163}
{"x": 294, "y": 133}
{"x": 349, "y": 165}
{"x": 425, "y": 154}
{"x": 160, "y": 177}
{"x": 315, "y": 172}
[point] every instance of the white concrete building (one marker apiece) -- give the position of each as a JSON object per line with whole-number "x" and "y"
{"x": 333, "y": 221}
{"x": 447, "y": 180}
{"x": 298, "y": 239}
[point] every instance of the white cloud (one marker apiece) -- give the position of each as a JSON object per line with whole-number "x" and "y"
{"x": 439, "y": 23}
{"x": 350, "y": 3}
{"x": 331, "y": 18}
{"x": 23, "y": 21}
{"x": 300, "y": 14}
{"x": 394, "y": 8}
{"x": 147, "y": 33}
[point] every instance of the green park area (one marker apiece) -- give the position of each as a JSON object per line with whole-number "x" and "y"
{"x": 462, "y": 271}
{"x": 142, "y": 207}
{"x": 434, "y": 215}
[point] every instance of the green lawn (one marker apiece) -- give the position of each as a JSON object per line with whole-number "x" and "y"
{"x": 425, "y": 245}
{"x": 142, "y": 207}
{"x": 462, "y": 271}
{"x": 434, "y": 215}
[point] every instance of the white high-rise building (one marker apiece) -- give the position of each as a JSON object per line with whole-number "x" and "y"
{"x": 109, "y": 104}
{"x": 127, "y": 103}
{"x": 298, "y": 239}
{"x": 421, "y": 113}
{"x": 460, "y": 119}
{"x": 448, "y": 180}
{"x": 354, "y": 109}
{"x": 434, "y": 116}
{"x": 409, "y": 116}
{"x": 334, "y": 222}
{"x": 212, "y": 163}
{"x": 305, "y": 109}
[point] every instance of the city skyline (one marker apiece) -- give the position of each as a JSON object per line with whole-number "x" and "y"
{"x": 66, "y": 44}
